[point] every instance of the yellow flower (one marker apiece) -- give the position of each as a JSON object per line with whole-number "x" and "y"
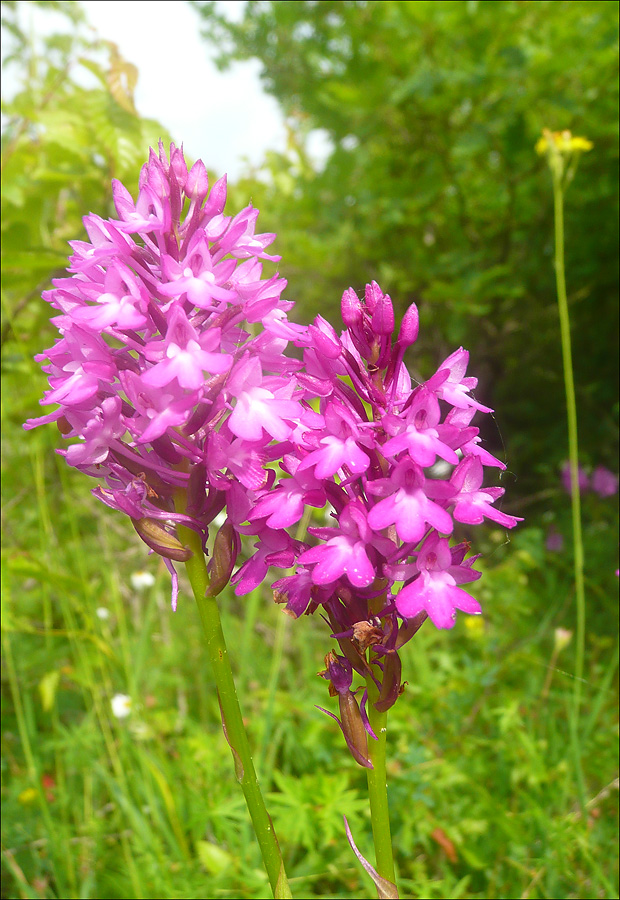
{"x": 475, "y": 626}
{"x": 562, "y": 142}
{"x": 28, "y": 796}
{"x": 581, "y": 143}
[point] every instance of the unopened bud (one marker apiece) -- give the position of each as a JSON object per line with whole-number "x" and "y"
{"x": 196, "y": 490}
{"x": 351, "y": 308}
{"x": 372, "y": 295}
{"x": 223, "y": 559}
{"x": 160, "y": 540}
{"x": 353, "y": 728}
{"x": 383, "y": 316}
{"x": 390, "y": 685}
{"x": 409, "y": 327}
{"x": 197, "y": 184}
{"x": 177, "y": 163}
{"x": 217, "y": 198}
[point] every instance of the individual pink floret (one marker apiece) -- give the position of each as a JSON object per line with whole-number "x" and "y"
{"x": 435, "y": 590}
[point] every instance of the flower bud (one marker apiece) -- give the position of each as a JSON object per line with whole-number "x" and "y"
{"x": 197, "y": 184}
{"x": 353, "y": 728}
{"x": 161, "y": 541}
{"x": 196, "y": 491}
{"x": 177, "y": 163}
{"x": 351, "y": 308}
{"x": 217, "y": 198}
{"x": 222, "y": 560}
{"x": 383, "y": 317}
{"x": 372, "y": 296}
{"x": 390, "y": 684}
{"x": 409, "y": 327}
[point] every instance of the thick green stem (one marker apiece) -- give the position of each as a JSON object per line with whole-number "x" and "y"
{"x": 377, "y": 788}
{"x": 573, "y": 455}
{"x": 231, "y": 713}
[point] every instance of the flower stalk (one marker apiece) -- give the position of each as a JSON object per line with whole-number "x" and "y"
{"x": 232, "y": 719}
{"x": 573, "y": 459}
{"x": 563, "y": 151}
{"x": 573, "y": 438}
{"x": 377, "y": 787}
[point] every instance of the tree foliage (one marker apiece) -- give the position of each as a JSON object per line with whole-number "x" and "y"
{"x": 432, "y": 187}
{"x": 70, "y": 126}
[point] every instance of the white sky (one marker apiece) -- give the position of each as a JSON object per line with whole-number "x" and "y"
{"x": 224, "y": 118}
{"x": 221, "y": 118}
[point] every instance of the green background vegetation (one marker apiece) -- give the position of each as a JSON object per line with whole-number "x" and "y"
{"x": 433, "y": 188}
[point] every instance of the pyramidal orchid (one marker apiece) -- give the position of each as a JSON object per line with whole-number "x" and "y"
{"x": 171, "y": 382}
{"x": 170, "y": 367}
{"x": 386, "y": 559}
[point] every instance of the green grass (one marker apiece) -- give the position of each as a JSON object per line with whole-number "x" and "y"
{"x": 482, "y": 787}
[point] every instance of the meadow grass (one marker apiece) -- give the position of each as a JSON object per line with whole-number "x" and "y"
{"x": 483, "y": 797}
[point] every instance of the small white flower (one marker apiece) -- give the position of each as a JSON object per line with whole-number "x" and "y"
{"x": 561, "y": 639}
{"x": 102, "y": 613}
{"x": 142, "y": 580}
{"x": 121, "y": 705}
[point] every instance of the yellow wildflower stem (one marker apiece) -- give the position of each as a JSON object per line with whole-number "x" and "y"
{"x": 573, "y": 452}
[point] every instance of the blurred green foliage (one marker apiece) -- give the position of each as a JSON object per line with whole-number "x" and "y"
{"x": 62, "y": 143}
{"x": 482, "y": 790}
{"x": 432, "y": 187}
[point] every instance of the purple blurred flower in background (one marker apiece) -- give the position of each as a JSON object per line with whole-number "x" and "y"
{"x": 582, "y": 479}
{"x": 603, "y": 482}
{"x": 554, "y": 542}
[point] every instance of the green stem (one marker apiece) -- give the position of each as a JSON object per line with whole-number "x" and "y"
{"x": 377, "y": 788}
{"x": 231, "y": 713}
{"x": 573, "y": 455}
